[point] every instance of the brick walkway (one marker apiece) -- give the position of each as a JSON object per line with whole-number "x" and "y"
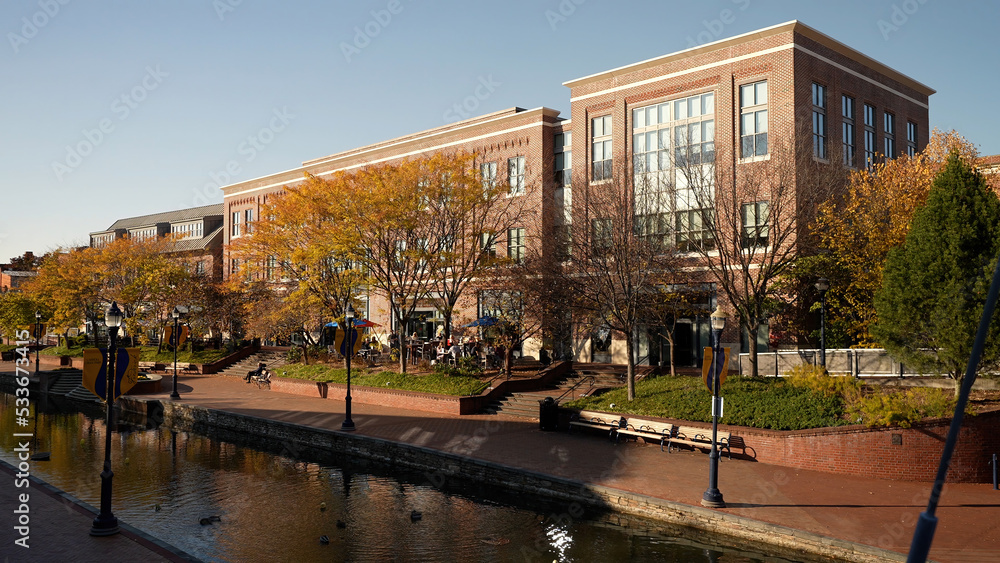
{"x": 872, "y": 512}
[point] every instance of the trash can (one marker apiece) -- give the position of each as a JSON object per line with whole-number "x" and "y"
{"x": 548, "y": 414}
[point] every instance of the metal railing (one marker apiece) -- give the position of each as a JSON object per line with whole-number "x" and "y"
{"x": 856, "y": 362}
{"x": 593, "y": 381}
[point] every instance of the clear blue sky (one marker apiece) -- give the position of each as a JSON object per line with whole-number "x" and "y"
{"x": 184, "y": 89}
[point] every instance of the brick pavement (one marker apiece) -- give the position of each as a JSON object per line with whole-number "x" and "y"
{"x": 872, "y": 512}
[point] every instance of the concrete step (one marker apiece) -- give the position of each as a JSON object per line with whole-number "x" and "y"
{"x": 81, "y": 393}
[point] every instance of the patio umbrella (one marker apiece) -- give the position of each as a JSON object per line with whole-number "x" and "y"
{"x": 483, "y": 321}
{"x": 365, "y": 323}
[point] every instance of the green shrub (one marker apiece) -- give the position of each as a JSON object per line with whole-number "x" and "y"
{"x": 467, "y": 367}
{"x": 294, "y": 355}
{"x": 816, "y": 378}
{"x": 885, "y": 407}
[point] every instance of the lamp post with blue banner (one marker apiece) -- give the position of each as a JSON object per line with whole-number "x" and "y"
{"x": 106, "y": 524}
{"x": 713, "y": 497}
{"x": 348, "y": 349}
{"x": 38, "y": 336}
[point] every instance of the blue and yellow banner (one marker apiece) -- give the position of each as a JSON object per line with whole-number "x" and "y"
{"x": 95, "y": 371}
{"x": 339, "y": 340}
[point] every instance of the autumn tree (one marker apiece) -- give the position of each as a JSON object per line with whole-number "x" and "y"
{"x": 749, "y": 223}
{"x": 299, "y": 247}
{"x": 859, "y": 229}
{"x": 386, "y": 227}
{"x": 935, "y": 284}
{"x": 68, "y": 285}
{"x": 17, "y": 310}
{"x": 621, "y": 253}
{"x": 471, "y": 212}
{"x": 668, "y": 303}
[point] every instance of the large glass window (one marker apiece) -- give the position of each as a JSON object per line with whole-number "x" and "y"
{"x": 564, "y": 158}
{"x": 488, "y": 171}
{"x": 673, "y": 148}
{"x": 235, "y": 227}
{"x": 847, "y": 115}
{"x": 870, "y": 146}
{"x": 819, "y": 120}
{"x": 755, "y": 230}
{"x": 515, "y": 244}
{"x": 911, "y": 138}
{"x": 600, "y": 235}
{"x": 601, "y": 158}
{"x": 515, "y": 175}
{"x": 889, "y": 134}
{"x": 753, "y": 119}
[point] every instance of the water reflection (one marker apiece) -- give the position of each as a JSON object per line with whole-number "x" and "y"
{"x": 276, "y": 508}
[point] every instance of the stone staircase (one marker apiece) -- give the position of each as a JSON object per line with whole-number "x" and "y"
{"x": 70, "y": 385}
{"x": 273, "y": 360}
{"x": 585, "y": 377}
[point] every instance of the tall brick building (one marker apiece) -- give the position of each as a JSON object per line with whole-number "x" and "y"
{"x": 726, "y": 104}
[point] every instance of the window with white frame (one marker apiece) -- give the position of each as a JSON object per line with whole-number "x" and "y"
{"x": 753, "y": 119}
{"x": 515, "y": 175}
{"x": 653, "y": 229}
{"x": 488, "y": 244}
{"x": 199, "y": 268}
{"x": 694, "y": 229}
{"x": 755, "y": 229}
{"x": 247, "y": 220}
{"x": 847, "y": 116}
{"x": 601, "y": 154}
{"x": 515, "y": 244}
{"x": 488, "y": 171}
{"x": 235, "y": 224}
{"x": 673, "y": 148}
{"x": 564, "y": 158}
{"x": 600, "y": 235}
{"x": 870, "y": 146}
{"x": 889, "y": 132}
{"x": 911, "y": 138}
{"x": 819, "y": 120}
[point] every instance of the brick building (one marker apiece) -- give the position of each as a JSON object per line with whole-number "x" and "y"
{"x": 197, "y": 235}
{"x": 726, "y": 104}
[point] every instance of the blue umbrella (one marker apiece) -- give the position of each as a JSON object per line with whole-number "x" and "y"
{"x": 483, "y": 321}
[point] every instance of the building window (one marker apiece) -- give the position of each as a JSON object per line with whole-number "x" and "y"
{"x": 235, "y": 230}
{"x": 271, "y": 268}
{"x": 247, "y": 220}
{"x": 889, "y": 130}
{"x": 847, "y": 114}
{"x": 911, "y": 138}
{"x": 869, "y": 136}
{"x": 515, "y": 244}
{"x": 601, "y": 148}
{"x": 753, "y": 119}
{"x": 600, "y": 235}
{"x": 564, "y": 242}
{"x": 199, "y": 268}
{"x": 488, "y": 171}
{"x": 819, "y": 121}
{"x": 653, "y": 229}
{"x": 515, "y": 175}
{"x": 755, "y": 230}
{"x": 488, "y": 244}
{"x": 564, "y": 158}
{"x": 693, "y": 231}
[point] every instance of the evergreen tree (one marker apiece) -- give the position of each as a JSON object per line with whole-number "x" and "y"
{"x": 935, "y": 284}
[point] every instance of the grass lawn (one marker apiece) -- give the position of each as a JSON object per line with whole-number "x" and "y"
{"x": 148, "y": 354}
{"x": 426, "y": 383}
{"x": 759, "y": 403}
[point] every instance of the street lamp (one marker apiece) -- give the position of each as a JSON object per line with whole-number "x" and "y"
{"x": 106, "y": 524}
{"x": 822, "y": 285}
{"x": 176, "y": 337}
{"x": 348, "y": 350}
{"x": 38, "y": 330}
{"x": 712, "y": 497}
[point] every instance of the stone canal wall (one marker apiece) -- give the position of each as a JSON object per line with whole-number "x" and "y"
{"x": 440, "y": 467}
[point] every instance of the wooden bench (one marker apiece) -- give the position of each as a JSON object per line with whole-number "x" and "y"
{"x": 700, "y": 438}
{"x": 146, "y": 366}
{"x": 640, "y": 428}
{"x": 599, "y": 420}
{"x": 191, "y": 368}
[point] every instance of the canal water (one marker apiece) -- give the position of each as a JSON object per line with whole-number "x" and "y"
{"x": 225, "y": 501}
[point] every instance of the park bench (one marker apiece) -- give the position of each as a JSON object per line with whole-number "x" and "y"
{"x": 191, "y": 368}
{"x": 599, "y": 420}
{"x": 652, "y": 429}
{"x": 700, "y": 438}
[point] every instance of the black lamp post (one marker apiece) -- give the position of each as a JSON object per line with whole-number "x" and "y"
{"x": 348, "y": 351}
{"x": 712, "y": 497}
{"x": 106, "y": 524}
{"x": 822, "y": 285}
{"x": 38, "y": 336}
{"x": 176, "y": 338}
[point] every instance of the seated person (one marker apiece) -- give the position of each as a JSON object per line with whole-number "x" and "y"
{"x": 256, "y": 372}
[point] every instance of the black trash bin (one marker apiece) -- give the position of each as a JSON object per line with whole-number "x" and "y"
{"x": 548, "y": 414}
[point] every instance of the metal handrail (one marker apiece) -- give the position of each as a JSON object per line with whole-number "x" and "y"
{"x": 593, "y": 381}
